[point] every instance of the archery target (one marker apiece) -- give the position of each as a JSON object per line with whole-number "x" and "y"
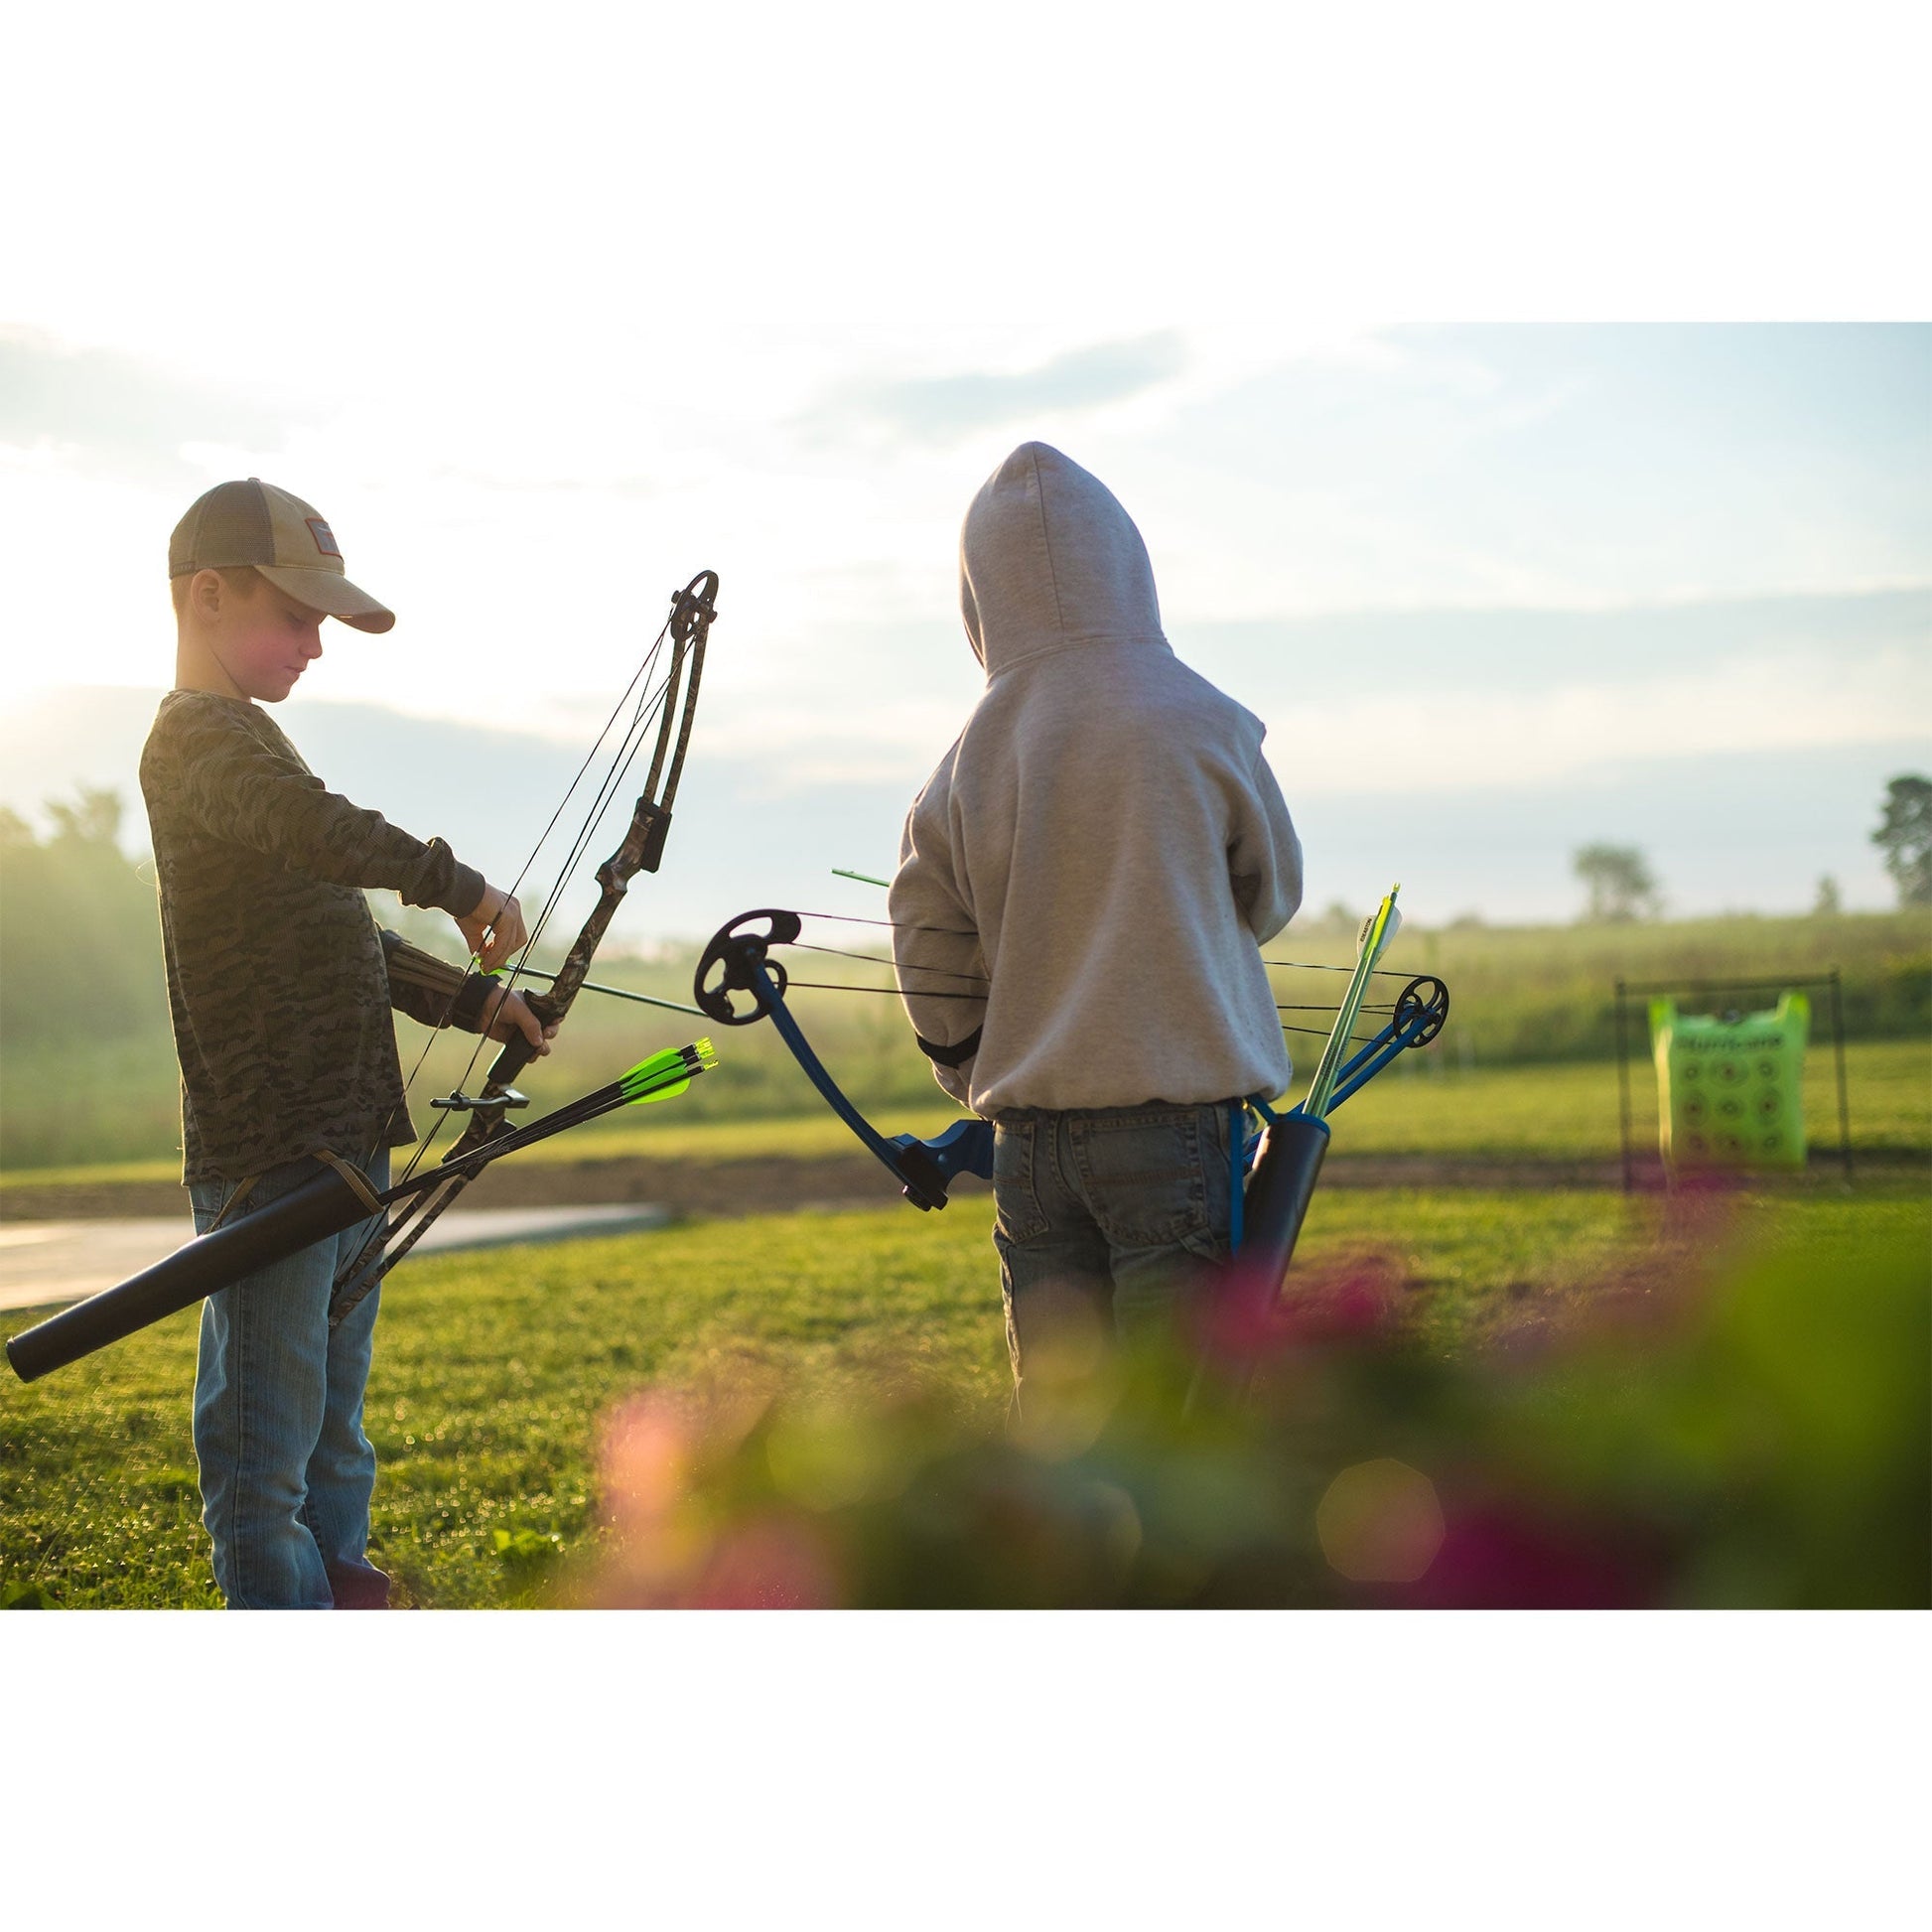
{"x": 1729, "y": 1090}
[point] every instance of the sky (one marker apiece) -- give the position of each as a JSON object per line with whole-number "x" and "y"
{"x": 544, "y": 322}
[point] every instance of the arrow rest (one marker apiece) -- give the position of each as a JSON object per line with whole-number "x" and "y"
{"x": 458, "y": 1103}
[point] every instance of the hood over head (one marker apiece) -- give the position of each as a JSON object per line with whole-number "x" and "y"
{"x": 1048, "y": 557}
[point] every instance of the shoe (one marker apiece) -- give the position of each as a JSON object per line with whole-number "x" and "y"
{"x": 359, "y": 1587}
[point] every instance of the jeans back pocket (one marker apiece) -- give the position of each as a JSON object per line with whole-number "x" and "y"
{"x": 1145, "y": 1174}
{"x": 1016, "y": 1212}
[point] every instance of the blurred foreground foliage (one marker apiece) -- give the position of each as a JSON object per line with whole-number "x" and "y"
{"x": 1608, "y": 1397}
{"x": 1760, "y": 1439}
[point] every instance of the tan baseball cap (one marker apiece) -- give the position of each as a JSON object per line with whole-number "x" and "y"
{"x": 255, "y": 523}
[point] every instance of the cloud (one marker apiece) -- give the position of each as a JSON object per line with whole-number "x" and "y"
{"x": 114, "y": 413}
{"x": 950, "y": 408}
{"x": 1484, "y": 741}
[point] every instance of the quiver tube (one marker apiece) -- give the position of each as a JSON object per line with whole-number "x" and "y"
{"x": 331, "y": 1201}
{"x": 1277, "y": 1199}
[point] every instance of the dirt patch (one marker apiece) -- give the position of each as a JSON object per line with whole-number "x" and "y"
{"x": 724, "y": 1188}
{"x": 711, "y": 1189}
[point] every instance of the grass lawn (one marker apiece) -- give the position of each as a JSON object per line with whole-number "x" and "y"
{"x": 1569, "y": 1110}
{"x": 492, "y": 1371}
{"x": 1421, "y": 1105}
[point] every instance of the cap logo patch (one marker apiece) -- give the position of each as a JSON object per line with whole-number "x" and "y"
{"x": 325, "y": 537}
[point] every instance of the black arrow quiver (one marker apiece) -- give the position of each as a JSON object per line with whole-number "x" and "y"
{"x": 1279, "y": 1187}
{"x": 330, "y": 1201}
{"x": 1280, "y": 1182}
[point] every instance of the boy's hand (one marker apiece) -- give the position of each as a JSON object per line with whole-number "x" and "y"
{"x": 505, "y": 1017}
{"x": 494, "y": 928}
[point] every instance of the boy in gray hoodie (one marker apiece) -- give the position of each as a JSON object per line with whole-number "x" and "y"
{"x": 1099, "y": 856}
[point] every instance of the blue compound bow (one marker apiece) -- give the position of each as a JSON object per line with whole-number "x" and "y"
{"x": 1279, "y": 1168}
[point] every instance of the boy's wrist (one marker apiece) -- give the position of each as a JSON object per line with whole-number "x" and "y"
{"x": 472, "y": 1000}
{"x": 468, "y": 886}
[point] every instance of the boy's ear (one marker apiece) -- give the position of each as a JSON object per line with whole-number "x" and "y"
{"x": 205, "y": 589}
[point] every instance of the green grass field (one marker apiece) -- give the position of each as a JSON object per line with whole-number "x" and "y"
{"x": 492, "y": 1372}
{"x": 1419, "y": 1106}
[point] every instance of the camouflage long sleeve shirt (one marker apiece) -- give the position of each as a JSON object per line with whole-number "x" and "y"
{"x": 279, "y": 980}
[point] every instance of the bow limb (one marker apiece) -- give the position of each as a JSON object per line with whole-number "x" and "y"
{"x": 642, "y": 847}
{"x": 737, "y": 960}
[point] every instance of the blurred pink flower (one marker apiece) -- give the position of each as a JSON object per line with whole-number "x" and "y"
{"x": 646, "y": 1457}
{"x": 1351, "y": 1302}
{"x": 1244, "y": 1322}
{"x": 1503, "y": 1555}
{"x": 771, "y": 1562}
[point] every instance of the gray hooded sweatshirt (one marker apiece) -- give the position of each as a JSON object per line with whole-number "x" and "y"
{"x": 1087, "y": 875}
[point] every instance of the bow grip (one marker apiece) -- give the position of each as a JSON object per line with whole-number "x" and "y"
{"x": 930, "y": 1167}
{"x": 516, "y": 1052}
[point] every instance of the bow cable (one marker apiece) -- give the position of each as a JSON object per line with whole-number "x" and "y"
{"x": 900, "y": 968}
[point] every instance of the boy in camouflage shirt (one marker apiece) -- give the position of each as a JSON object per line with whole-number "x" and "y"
{"x": 280, "y": 985}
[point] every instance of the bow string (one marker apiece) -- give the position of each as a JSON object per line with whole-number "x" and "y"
{"x": 975, "y": 985}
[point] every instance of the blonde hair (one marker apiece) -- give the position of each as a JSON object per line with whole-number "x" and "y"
{"x": 245, "y": 578}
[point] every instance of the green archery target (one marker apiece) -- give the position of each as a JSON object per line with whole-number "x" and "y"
{"x": 1731, "y": 1091}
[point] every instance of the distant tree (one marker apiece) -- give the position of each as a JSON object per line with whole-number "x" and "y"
{"x": 1619, "y": 880}
{"x": 1341, "y": 916}
{"x": 94, "y": 817}
{"x": 1828, "y": 902}
{"x": 80, "y": 948}
{"x": 1905, "y": 835}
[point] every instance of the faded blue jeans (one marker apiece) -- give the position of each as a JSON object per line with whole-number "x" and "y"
{"x": 285, "y": 1470}
{"x": 1104, "y": 1219}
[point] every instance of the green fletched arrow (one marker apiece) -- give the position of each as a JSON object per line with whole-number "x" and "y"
{"x": 660, "y": 1077}
{"x": 665, "y": 1075}
{"x": 1378, "y": 930}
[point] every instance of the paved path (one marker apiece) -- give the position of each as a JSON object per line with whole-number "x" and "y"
{"x": 43, "y": 1262}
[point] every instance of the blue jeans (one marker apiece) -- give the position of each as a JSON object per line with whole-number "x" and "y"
{"x": 285, "y": 1470}
{"x": 1104, "y": 1219}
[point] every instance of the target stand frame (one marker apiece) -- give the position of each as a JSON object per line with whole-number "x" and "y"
{"x": 1644, "y": 990}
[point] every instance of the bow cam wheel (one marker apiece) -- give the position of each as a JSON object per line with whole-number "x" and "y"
{"x": 1423, "y": 1004}
{"x": 739, "y": 961}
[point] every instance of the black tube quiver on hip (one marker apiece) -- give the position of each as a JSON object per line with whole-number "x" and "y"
{"x": 1278, "y": 1194}
{"x": 326, "y": 1204}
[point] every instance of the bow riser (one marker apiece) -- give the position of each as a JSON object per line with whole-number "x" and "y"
{"x": 641, "y": 849}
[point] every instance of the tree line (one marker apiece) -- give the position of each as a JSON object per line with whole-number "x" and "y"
{"x": 1621, "y": 885}
{"x": 79, "y": 934}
